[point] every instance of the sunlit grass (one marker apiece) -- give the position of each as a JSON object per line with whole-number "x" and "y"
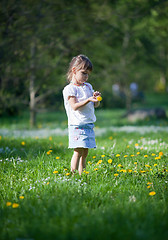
{"x": 121, "y": 194}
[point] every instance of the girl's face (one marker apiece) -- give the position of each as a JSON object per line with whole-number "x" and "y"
{"x": 81, "y": 76}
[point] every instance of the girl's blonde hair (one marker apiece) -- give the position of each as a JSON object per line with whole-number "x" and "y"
{"x": 79, "y": 62}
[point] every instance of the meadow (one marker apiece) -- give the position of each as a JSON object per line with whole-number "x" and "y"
{"x": 123, "y": 192}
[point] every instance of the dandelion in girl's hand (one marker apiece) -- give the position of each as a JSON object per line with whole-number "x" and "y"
{"x": 8, "y": 204}
{"x": 15, "y": 205}
{"x": 152, "y": 193}
{"x": 99, "y": 98}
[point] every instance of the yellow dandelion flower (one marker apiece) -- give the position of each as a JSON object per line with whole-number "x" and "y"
{"x": 145, "y": 156}
{"x": 57, "y": 157}
{"x": 110, "y": 137}
{"x": 125, "y": 156}
{"x": 8, "y": 204}
{"x": 65, "y": 169}
{"x": 15, "y": 205}
{"x": 149, "y": 183}
{"x": 102, "y": 156}
{"x": 132, "y": 155}
{"x": 152, "y": 193}
{"x": 95, "y": 169}
{"x": 99, "y": 98}
{"x": 128, "y": 146}
{"x": 157, "y": 158}
{"x": 129, "y": 170}
{"x": 161, "y": 154}
{"x": 21, "y": 197}
{"x": 50, "y": 138}
{"x": 148, "y": 186}
{"x": 116, "y": 174}
{"x": 94, "y": 156}
{"x": 155, "y": 165}
{"x": 153, "y": 154}
{"x": 86, "y": 172}
{"x": 136, "y": 144}
{"x": 124, "y": 170}
{"x": 135, "y": 171}
{"x": 135, "y": 162}
{"x": 48, "y": 183}
{"x": 67, "y": 174}
{"x": 23, "y": 143}
{"x": 119, "y": 165}
{"x": 110, "y": 161}
{"x": 117, "y": 155}
{"x": 100, "y": 161}
{"x": 55, "y": 172}
{"x": 138, "y": 153}
{"x": 90, "y": 162}
{"x": 0, "y": 137}
{"x": 147, "y": 166}
{"x": 141, "y": 148}
{"x": 142, "y": 171}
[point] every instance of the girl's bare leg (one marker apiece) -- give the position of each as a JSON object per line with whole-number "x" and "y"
{"x": 82, "y": 161}
{"x": 75, "y": 159}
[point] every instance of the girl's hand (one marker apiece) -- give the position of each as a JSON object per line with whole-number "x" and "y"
{"x": 93, "y": 99}
{"x": 95, "y": 94}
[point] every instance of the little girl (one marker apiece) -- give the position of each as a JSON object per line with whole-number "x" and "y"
{"x": 79, "y": 102}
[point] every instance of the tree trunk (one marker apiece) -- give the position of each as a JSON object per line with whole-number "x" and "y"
{"x": 32, "y": 93}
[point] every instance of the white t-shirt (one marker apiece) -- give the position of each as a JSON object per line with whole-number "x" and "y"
{"x": 86, "y": 113}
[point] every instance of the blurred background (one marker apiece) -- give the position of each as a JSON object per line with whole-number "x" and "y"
{"x": 126, "y": 40}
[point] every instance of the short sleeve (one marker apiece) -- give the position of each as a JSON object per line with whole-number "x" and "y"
{"x": 68, "y": 91}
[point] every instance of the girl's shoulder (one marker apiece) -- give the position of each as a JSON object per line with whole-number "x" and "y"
{"x": 69, "y": 87}
{"x": 89, "y": 85}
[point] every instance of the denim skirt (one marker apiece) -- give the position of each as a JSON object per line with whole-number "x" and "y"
{"x": 82, "y": 136}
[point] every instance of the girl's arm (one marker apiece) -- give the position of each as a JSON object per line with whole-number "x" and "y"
{"x": 77, "y": 105}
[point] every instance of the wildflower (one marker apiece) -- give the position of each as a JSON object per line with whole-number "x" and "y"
{"x": 110, "y": 161}
{"x": 156, "y": 158}
{"x": 142, "y": 171}
{"x": 8, "y": 204}
{"x": 0, "y": 137}
{"x": 90, "y": 162}
{"x": 95, "y": 169}
{"x": 132, "y": 198}
{"x": 138, "y": 153}
{"x": 127, "y": 146}
{"x": 117, "y": 155}
{"x": 100, "y": 161}
{"x": 99, "y": 98}
{"x": 145, "y": 156}
{"x": 152, "y": 193}
{"x": 94, "y": 156}
{"x": 65, "y": 169}
{"x": 48, "y": 183}
{"x": 102, "y": 156}
{"x": 116, "y": 174}
{"x": 161, "y": 154}
{"x": 132, "y": 155}
{"x": 67, "y": 174}
{"x": 110, "y": 137}
{"x": 153, "y": 154}
{"x": 15, "y": 205}
{"x": 155, "y": 165}
{"x": 141, "y": 148}
{"x": 147, "y": 166}
{"x": 129, "y": 170}
{"x": 23, "y": 143}
{"x": 135, "y": 162}
{"x": 86, "y": 172}
{"x": 119, "y": 165}
{"x": 21, "y": 197}
{"x": 55, "y": 172}
{"x": 50, "y": 138}
{"x": 57, "y": 157}
{"x": 148, "y": 186}
{"x": 136, "y": 144}
{"x": 149, "y": 183}
{"x": 126, "y": 156}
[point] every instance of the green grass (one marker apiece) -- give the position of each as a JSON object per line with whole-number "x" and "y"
{"x": 96, "y": 205}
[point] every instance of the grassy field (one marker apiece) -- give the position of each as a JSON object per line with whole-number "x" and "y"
{"x": 122, "y": 194}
